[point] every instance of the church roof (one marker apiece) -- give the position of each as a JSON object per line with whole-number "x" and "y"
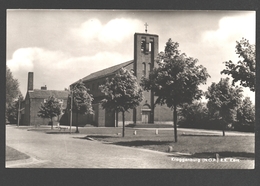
{"x": 106, "y": 72}
{"x": 60, "y": 94}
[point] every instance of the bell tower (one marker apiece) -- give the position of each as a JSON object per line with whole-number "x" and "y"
{"x": 145, "y": 52}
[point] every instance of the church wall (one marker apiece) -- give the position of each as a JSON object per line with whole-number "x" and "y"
{"x": 163, "y": 114}
{"x": 109, "y": 119}
{"x": 128, "y": 118}
{"x": 101, "y": 116}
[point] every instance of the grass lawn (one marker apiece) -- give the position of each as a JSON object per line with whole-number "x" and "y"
{"x": 198, "y": 145}
{"x": 12, "y": 154}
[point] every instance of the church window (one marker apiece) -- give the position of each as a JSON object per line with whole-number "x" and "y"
{"x": 143, "y": 45}
{"x": 144, "y": 69}
{"x": 149, "y": 67}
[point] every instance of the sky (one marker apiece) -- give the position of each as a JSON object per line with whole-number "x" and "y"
{"x": 63, "y": 46}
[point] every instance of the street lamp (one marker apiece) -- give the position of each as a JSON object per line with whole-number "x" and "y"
{"x": 71, "y": 103}
{"x": 18, "y": 119}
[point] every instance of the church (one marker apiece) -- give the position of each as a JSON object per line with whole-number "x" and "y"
{"x": 145, "y": 52}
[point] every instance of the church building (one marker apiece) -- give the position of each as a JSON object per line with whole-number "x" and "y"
{"x": 145, "y": 52}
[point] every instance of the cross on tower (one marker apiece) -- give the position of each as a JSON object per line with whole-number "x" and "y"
{"x": 146, "y": 25}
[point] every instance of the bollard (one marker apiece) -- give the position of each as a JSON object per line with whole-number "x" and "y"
{"x": 170, "y": 149}
{"x": 217, "y": 157}
{"x": 135, "y": 132}
{"x": 156, "y": 131}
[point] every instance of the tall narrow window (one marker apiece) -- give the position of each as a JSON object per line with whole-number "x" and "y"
{"x": 150, "y": 47}
{"x": 143, "y": 45}
{"x": 144, "y": 69}
{"x": 149, "y": 67}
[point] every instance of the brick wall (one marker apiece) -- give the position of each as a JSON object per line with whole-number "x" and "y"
{"x": 31, "y": 112}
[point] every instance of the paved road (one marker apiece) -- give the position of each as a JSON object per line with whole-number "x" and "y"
{"x": 69, "y": 151}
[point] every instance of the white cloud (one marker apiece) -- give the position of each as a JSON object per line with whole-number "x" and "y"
{"x": 113, "y": 32}
{"x": 118, "y": 29}
{"x": 88, "y": 30}
{"x": 232, "y": 29}
{"x": 56, "y": 69}
{"x": 22, "y": 59}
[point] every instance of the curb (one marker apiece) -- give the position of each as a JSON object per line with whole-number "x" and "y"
{"x": 18, "y": 162}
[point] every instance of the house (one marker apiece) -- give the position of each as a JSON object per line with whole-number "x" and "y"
{"x": 145, "y": 52}
{"x": 33, "y": 100}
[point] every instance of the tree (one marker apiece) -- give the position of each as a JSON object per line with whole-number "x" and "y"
{"x": 246, "y": 114}
{"x": 243, "y": 71}
{"x": 223, "y": 100}
{"x": 50, "y": 108}
{"x": 194, "y": 115}
{"x": 176, "y": 79}
{"x": 121, "y": 93}
{"x": 82, "y": 101}
{"x": 12, "y": 90}
{"x": 12, "y": 110}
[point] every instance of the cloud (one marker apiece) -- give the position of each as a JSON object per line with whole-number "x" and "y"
{"x": 88, "y": 29}
{"x": 112, "y": 33}
{"x": 233, "y": 28}
{"x": 22, "y": 59}
{"x": 56, "y": 69}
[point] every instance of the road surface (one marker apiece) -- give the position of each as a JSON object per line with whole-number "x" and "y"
{"x": 70, "y": 151}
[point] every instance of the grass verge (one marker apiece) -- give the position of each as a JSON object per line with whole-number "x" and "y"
{"x": 204, "y": 146}
{"x": 11, "y": 154}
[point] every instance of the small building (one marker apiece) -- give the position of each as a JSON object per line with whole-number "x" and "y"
{"x": 32, "y": 102}
{"x": 145, "y": 52}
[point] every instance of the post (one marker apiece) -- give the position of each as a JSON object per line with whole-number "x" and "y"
{"x": 71, "y": 103}
{"x": 123, "y": 113}
{"x": 18, "y": 119}
{"x": 116, "y": 119}
{"x": 175, "y": 122}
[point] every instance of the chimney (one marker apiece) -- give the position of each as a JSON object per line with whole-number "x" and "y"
{"x": 44, "y": 88}
{"x": 30, "y": 81}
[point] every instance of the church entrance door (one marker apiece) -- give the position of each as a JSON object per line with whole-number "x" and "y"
{"x": 145, "y": 116}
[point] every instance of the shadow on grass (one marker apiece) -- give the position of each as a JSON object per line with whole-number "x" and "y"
{"x": 224, "y": 154}
{"x": 58, "y": 132}
{"x": 94, "y": 136}
{"x": 13, "y": 154}
{"x": 141, "y": 143}
{"x": 206, "y": 135}
{"x": 149, "y": 126}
